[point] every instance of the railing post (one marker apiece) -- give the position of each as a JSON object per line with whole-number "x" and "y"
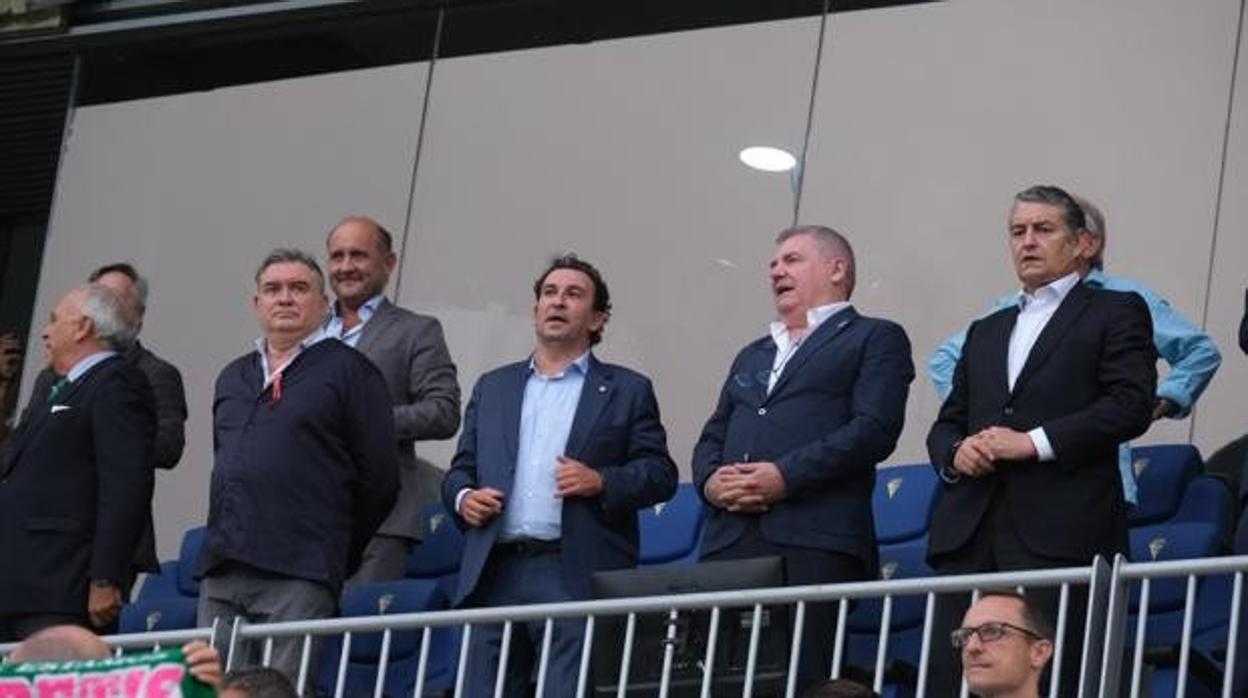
{"x": 1111, "y": 597}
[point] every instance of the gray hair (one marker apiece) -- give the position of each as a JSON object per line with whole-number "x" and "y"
{"x": 832, "y": 243}
{"x": 1072, "y": 214}
{"x": 284, "y": 255}
{"x": 1095, "y": 220}
{"x": 108, "y": 316}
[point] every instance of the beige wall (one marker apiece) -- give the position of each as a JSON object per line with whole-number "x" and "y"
{"x": 928, "y": 119}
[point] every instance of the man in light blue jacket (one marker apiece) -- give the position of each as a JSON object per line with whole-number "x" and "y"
{"x": 1192, "y": 355}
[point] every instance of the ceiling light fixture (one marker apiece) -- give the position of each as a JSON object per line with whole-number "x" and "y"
{"x": 768, "y": 159}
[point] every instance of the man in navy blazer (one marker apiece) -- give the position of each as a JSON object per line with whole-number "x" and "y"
{"x": 76, "y": 479}
{"x": 557, "y": 454}
{"x": 786, "y": 463}
{"x": 1027, "y": 441}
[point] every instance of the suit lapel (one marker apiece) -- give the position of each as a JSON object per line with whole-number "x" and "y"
{"x": 39, "y": 410}
{"x": 595, "y": 394}
{"x": 997, "y": 340}
{"x": 514, "y": 392}
{"x": 1051, "y": 336}
{"x": 375, "y": 326}
{"x": 823, "y": 334}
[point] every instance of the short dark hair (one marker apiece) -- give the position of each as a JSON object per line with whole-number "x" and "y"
{"x": 1034, "y": 617}
{"x": 127, "y": 270}
{"x": 283, "y": 255}
{"x": 258, "y": 682}
{"x": 602, "y": 296}
{"x": 839, "y": 688}
{"x": 1072, "y": 212}
{"x": 385, "y": 241}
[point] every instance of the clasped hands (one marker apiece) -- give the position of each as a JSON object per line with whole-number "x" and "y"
{"x": 977, "y": 453}
{"x": 572, "y": 479}
{"x": 746, "y": 488}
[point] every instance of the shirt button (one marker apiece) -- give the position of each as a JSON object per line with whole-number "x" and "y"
{"x": 1009, "y": 410}
{"x": 762, "y": 411}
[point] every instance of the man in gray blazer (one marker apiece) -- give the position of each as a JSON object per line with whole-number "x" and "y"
{"x": 412, "y": 355}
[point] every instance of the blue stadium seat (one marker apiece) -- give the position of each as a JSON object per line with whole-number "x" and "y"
{"x": 439, "y": 554}
{"x": 903, "y": 501}
{"x": 187, "y": 557}
{"x": 389, "y": 598}
{"x": 1162, "y": 473}
{"x": 1199, "y": 528}
{"x": 158, "y": 613}
{"x": 670, "y": 530}
{"x": 905, "y": 635}
{"x": 160, "y": 585}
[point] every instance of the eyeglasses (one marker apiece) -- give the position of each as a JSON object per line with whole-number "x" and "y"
{"x": 988, "y": 632}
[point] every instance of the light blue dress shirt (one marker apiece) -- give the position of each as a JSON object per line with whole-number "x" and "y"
{"x": 1192, "y": 355}
{"x": 532, "y": 510}
{"x": 271, "y": 372}
{"x": 334, "y": 327}
{"x": 87, "y": 363}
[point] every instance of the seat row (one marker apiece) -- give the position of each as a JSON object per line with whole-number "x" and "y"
{"x": 1181, "y": 514}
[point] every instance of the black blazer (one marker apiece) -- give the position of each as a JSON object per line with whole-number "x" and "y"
{"x": 1089, "y": 382}
{"x": 834, "y": 413}
{"x": 170, "y": 404}
{"x": 76, "y": 490}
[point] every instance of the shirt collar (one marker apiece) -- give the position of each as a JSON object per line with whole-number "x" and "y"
{"x": 581, "y": 363}
{"x": 365, "y": 312}
{"x": 814, "y": 317}
{"x": 1056, "y": 290}
{"x": 315, "y": 336}
{"x": 87, "y": 363}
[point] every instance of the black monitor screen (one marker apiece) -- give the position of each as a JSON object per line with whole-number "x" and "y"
{"x": 692, "y": 627}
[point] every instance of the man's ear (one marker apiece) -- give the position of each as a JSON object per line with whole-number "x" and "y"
{"x": 1041, "y": 653}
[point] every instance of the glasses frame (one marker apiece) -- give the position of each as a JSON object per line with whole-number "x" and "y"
{"x": 960, "y": 637}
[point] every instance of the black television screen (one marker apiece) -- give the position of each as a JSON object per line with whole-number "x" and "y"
{"x": 692, "y": 627}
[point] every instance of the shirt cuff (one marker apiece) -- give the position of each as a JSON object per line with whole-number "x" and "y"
{"x": 1044, "y": 449}
{"x": 459, "y": 498}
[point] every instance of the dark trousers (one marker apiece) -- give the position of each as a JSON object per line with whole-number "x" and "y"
{"x": 513, "y": 577}
{"x": 19, "y": 626}
{"x": 803, "y": 566}
{"x": 996, "y": 547}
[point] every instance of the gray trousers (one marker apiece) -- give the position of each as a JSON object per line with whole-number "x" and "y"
{"x": 260, "y": 597}
{"x": 385, "y": 559}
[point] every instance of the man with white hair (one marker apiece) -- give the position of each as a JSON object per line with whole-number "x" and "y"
{"x": 76, "y": 476}
{"x": 167, "y": 391}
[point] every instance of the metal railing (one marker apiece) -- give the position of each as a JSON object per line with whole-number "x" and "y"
{"x": 1104, "y": 643}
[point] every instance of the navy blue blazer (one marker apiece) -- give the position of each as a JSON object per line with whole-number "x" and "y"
{"x": 616, "y": 431}
{"x": 76, "y": 490}
{"x": 1089, "y": 381}
{"x": 836, "y": 411}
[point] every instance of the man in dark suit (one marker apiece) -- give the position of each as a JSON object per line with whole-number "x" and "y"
{"x": 557, "y": 454}
{"x": 166, "y": 383}
{"x": 76, "y": 478}
{"x": 411, "y": 353}
{"x": 304, "y": 466}
{"x": 1044, "y": 392}
{"x": 786, "y": 463}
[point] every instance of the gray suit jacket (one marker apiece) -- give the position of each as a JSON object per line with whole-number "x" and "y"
{"x": 411, "y": 353}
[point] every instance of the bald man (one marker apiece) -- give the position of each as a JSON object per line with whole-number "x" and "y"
{"x": 73, "y": 643}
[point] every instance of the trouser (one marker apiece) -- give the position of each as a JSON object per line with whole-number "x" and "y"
{"x": 803, "y": 566}
{"x": 236, "y": 590}
{"x": 516, "y": 575}
{"x": 385, "y": 559}
{"x": 996, "y": 547}
{"x": 15, "y": 627}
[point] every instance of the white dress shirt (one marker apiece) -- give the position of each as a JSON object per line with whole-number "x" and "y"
{"x": 786, "y": 346}
{"x": 1035, "y": 311}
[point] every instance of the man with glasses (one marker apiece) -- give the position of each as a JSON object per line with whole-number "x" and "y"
{"x": 1005, "y": 642}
